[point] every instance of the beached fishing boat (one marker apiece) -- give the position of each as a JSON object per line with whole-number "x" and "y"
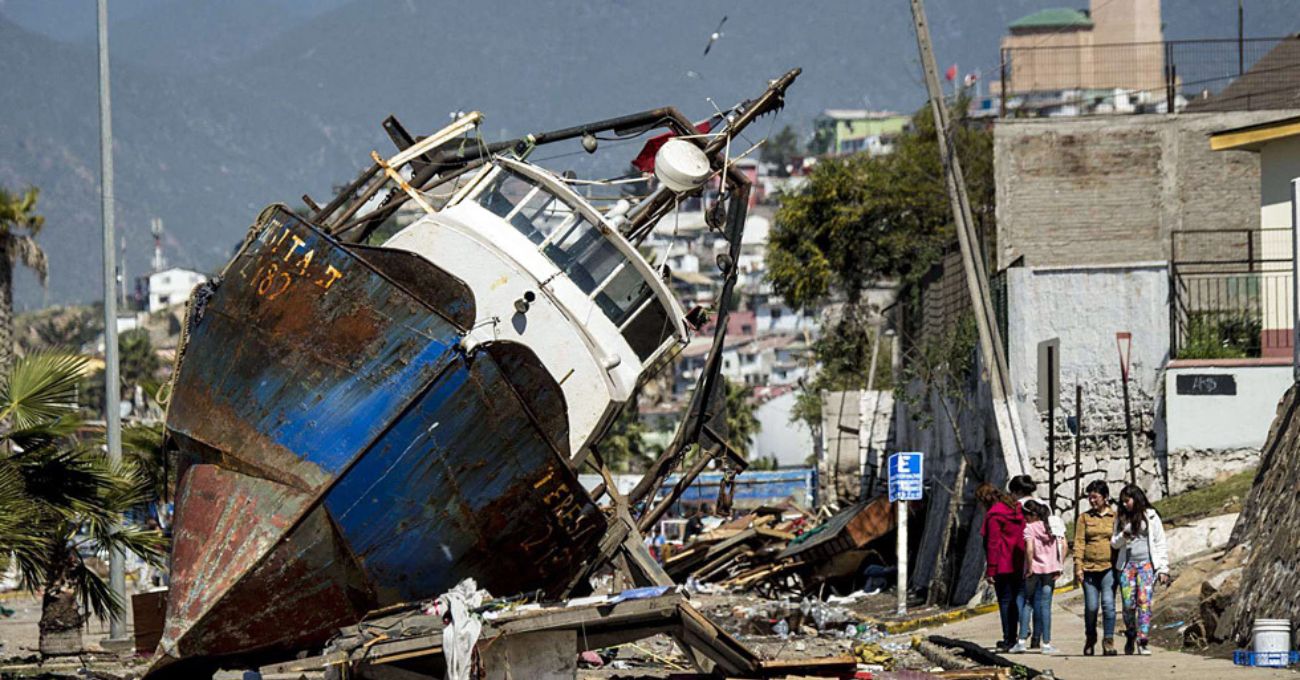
{"x": 359, "y": 425}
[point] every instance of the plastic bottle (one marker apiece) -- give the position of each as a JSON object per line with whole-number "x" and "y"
{"x": 782, "y": 629}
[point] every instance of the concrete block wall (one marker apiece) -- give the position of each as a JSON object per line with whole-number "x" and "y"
{"x": 1110, "y": 189}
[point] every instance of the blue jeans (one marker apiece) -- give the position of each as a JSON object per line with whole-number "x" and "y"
{"x": 1009, "y": 588}
{"x": 1099, "y": 589}
{"x": 1038, "y": 602}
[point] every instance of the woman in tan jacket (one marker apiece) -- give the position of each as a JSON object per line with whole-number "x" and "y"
{"x": 1094, "y": 567}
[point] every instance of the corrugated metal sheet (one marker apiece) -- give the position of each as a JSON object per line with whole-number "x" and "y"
{"x": 753, "y": 487}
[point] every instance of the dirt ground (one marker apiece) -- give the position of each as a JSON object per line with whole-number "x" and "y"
{"x": 814, "y": 631}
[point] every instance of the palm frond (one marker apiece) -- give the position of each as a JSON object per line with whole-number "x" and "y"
{"x": 67, "y": 481}
{"x": 19, "y": 212}
{"x": 93, "y": 591}
{"x": 41, "y": 435}
{"x": 41, "y": 386}
{"x": 147, "y": 544}
{"x": 19, "y": 533}
{"x": 24, "y": 250}
{"x": 143, "y": 446}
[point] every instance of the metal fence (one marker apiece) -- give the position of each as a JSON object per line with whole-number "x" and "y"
{"x": 1126, "y": 78}
{"x": 1230, "y": 294}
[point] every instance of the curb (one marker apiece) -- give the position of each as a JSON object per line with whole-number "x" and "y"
{"x": 909, "y": 625}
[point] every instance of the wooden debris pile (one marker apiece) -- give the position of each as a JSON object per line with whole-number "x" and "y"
{"x": 776, "y": 554}
{"x": 740, "y": 554}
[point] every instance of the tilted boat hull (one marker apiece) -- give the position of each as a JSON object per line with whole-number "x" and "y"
{"x": 342, "y": 453}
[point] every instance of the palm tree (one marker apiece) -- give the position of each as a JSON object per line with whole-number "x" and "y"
{"x": 19, "y": 225}
{"x": 70, "y": 496}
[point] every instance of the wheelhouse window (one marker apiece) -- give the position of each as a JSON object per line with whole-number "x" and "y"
{"x": 585, "y": 253}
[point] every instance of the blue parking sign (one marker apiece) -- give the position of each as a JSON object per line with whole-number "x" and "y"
{"x": 905, "y": 476}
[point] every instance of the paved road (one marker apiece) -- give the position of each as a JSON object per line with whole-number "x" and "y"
{"x": 1071, "y": 664}
{"x": 19, "y": 635}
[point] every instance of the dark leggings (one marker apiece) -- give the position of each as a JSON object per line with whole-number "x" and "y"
{"x": 1007, "y": 586}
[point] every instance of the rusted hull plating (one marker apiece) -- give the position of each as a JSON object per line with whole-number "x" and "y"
{"x": 341, "y": 453}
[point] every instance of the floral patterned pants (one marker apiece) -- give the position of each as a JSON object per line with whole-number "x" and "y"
{"x": 1136, "y": 587}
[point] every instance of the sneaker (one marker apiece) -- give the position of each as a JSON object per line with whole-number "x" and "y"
{"x": 1108, "y": 647}
{"x": 1002, "y": 645}
{"x": 1019, "y": 648}
{"x": 1048, "y": 648}
{"x": 1143, "y": 649}
{"x": 1130, "y": 646}
{"x": 1090, "y": 645}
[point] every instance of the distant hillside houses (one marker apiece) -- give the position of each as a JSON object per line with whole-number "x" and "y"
{"x": 170, "y": 287}
{"x": 845, "y": 131}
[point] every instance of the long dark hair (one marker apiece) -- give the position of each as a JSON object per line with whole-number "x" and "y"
{"x": 1035, "y": 511}
{"x": 1137, "y": 517}
{"x": 1022, "y": 485}
{"x": 988, "y": 494}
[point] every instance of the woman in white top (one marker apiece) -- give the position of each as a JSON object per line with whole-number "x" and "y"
{"x": 1143, "y": 559}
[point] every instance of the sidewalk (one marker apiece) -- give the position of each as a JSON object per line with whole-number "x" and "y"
{"x": 1071, "y": 664}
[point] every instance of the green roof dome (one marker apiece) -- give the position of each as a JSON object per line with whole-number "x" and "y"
{"x": 1057, "y": 17}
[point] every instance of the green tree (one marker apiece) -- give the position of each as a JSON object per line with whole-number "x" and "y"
{"x": 19, "y": 225}
{"x": 70, "y": 496}
{"x": 66, "y": 328}
{"x": 139, "y": 363}
{"x": 780, "y": 150}
{"x": 742, "y": 424}
{"x": 862, "y": 219}
{"x": 623, "y": 447}
{"x": 821, "y": 141}
{"x": 865, "y": 219}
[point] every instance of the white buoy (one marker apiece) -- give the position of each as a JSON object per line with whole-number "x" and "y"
{"x": 681, "y": 165}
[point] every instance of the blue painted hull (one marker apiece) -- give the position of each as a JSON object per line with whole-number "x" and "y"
{"x": 342, "y": 453}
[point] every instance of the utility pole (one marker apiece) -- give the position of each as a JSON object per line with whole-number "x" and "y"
{"x": 1010, "y": 434}
{"x": 112, "y": 389}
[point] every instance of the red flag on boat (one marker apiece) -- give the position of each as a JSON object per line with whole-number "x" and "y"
{"x": 645, "y": 161}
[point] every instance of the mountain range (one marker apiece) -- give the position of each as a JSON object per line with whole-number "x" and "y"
{"x": 222, "y": 107}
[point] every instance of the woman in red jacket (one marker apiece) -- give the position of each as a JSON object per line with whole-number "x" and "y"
{"x": 1004, "y": 548}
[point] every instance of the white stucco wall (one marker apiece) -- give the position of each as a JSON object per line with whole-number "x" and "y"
{"x": 1279, "y": 163}
{"x": 1202, "y": 421}
{"x": 790, "y": 443}
{"x": 172, "y": 287}
{"x": 1085, "y": 307}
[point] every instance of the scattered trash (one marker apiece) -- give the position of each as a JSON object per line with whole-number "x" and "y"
{"x": 590, "y": 659}
{"x": 781, "y": 629}
{"x": 873, "y": 653}
{"x": 463, "y": 628}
